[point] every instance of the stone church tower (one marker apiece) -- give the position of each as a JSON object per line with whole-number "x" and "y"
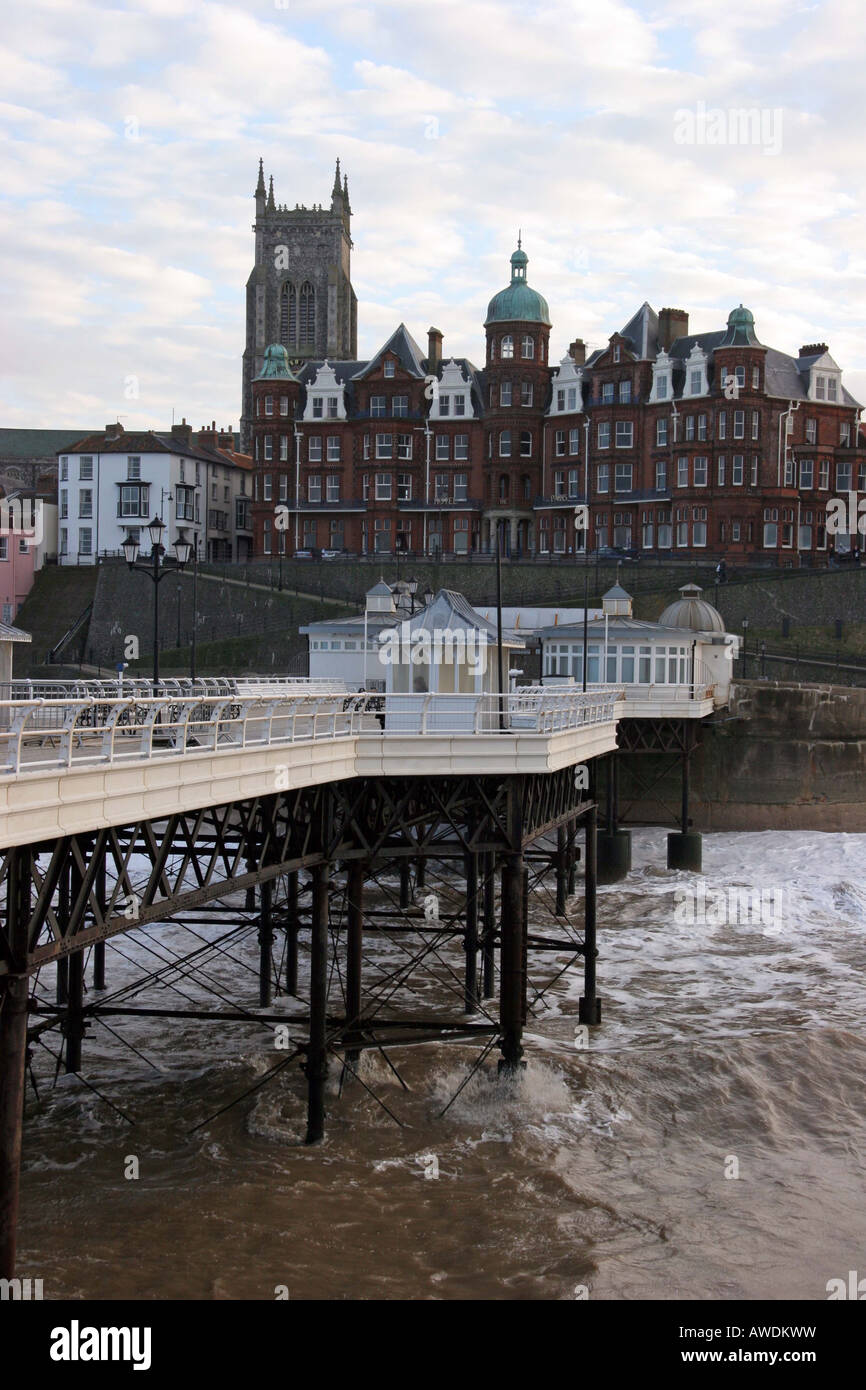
{"x": 300, "y": 290}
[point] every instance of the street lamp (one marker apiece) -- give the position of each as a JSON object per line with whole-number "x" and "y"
{"x": 156, "y": 570}
{"x": 412, "y": 586}
{"x": 745, "y": 636}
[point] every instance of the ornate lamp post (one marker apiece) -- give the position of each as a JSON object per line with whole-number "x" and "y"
{"x": 156, "y": 569}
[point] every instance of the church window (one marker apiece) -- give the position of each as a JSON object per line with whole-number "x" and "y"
{"x": 288, "y": 316}
{"x": 306, "y": 315}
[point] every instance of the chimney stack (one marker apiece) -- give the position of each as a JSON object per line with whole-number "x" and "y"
{"x": 182, "y": 433}
{"x": 673, "y": 324}
{"x": 434, "y": 351}
{"x": 577, "y": 351}
{"x": 813, "y": 349}
{"x": 114, "y": 430}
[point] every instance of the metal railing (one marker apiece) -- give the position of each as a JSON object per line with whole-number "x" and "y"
{"x": 41, "y": 734}
{"x": 73, "y": 689}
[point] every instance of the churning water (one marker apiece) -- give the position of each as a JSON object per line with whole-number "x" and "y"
{"x": 611, "y": 1168}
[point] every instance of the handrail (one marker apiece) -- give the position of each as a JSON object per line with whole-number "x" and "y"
{"x": 38, "y": 733}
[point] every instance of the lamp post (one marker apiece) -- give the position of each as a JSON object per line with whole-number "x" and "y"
{"x": 281, "y": 550}
{"x": 745, "y": 636}
{"x": 155, "y": 570}
{"x": 192, "y": 652}
{"x": 412, "y": 586}
{"x": 179, "y": 590}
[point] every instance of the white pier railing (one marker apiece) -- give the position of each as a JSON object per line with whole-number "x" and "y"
{"x": 39, "y": 734}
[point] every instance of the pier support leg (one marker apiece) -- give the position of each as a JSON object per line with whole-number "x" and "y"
{"x": 489, "y": 934}
{"x": 561, "y": 871}
{"x": 571, "y": 857}
{"x": 589, "y": 1008}
{"x": 613, "y": 846}
{"x": 13, "y": 1055}
{"x": 266, "y": 941}
{"x": 62, "y": 981}
{"x": 470, "y": 986}
{"x": 99, "y": 948}
{"x": 685, "y": 848}
{"x": 292, "y": 933}
{"x": 317, "y": 1056}
{"x": 405, "y": 887}
{"x": 420, "y": 872}
{"x": 354, "y": 953}
{"x": 73, "y": 1026}
{"x": 512, "y": 972}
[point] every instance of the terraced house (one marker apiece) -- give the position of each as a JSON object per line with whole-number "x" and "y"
{"x": 664, "y": 442}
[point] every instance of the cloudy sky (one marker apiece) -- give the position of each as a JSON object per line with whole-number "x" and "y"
{"x": 132, "y": 135}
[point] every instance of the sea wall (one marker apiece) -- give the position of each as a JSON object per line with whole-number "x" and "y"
{"x": 783, "y": 756}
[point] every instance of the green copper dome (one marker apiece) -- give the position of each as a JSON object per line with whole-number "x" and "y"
{"x": 741, "y": 329}
{"x": 276, "y": 365}
{"x": 518, "y": 301}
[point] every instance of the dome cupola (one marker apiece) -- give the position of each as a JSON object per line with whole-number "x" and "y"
{"x": 518, "y": 303}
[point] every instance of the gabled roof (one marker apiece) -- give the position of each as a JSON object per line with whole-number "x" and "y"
{"x": 26, "y": 444}
{"x": 405, "y": 349}
{"x": 642, "y": 331}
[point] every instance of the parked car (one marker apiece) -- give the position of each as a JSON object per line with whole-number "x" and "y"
{"x": 618, "y": 552}
{"x": 303, "y": 555}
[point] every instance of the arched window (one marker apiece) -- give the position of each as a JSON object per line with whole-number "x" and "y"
{"x": 288, "y": 316}
{"x": 492, "y": 348}
{"x": 528, "y": 346}
{"x": 307, "y": 315}
{"x": 525, "y": 444}
{"x": 508, "y": 346}
{"x": 503, "y": 487}
{"x": 505, "y": 444}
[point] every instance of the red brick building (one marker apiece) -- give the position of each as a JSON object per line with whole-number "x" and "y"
{"x": 707, "y": 444}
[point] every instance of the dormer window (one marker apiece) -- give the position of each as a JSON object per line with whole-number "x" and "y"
{"x": 389, "y": 367}
{"x": 661, "y": 388}
{"x": 831, "y": 388}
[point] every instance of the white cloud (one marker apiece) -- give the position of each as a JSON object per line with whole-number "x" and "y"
{"x": 456, "y": 124}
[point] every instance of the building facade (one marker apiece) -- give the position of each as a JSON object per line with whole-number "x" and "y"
{"x": 112, "y": 484}
{"x": 663, "y": 443}
{"x": 299, "y": 293}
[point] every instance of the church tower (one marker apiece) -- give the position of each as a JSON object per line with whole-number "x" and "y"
{"x": 300, "y": 291}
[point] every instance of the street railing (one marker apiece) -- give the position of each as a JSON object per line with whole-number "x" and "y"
{"x": 41, "y": 734}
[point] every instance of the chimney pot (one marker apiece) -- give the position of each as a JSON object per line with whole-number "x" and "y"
{"x": 434, "y": 350}
{"x": 673, "y": 324}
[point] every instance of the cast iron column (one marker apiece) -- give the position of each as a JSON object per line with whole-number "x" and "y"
{"x": 589, "y": 1008}
{"x": 354, "y": 953}
{"x": 317, "y": 1057}
{"x": 470, "y": 985}
{"x": 13, "y": 1052}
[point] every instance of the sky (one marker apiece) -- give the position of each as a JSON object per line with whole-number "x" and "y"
{"x": 607, "y": 131}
